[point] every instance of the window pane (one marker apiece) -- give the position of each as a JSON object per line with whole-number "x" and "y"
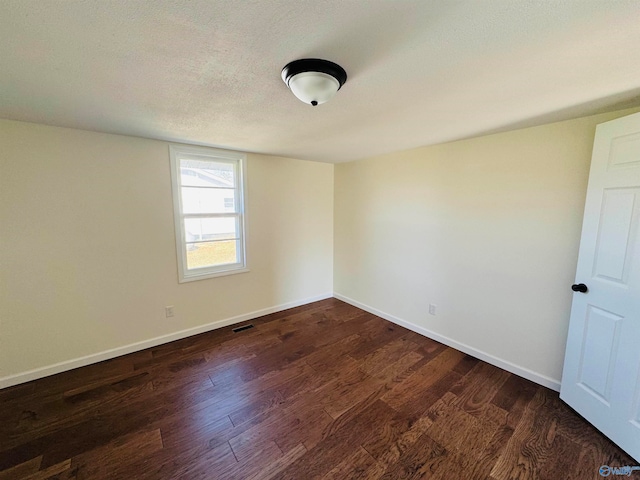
{"x": 208, "y": 200}
{"x": 206, "y": 174}
{"x": 198, "y": 229}
{"x": 211, "y": 253}
{"x": 208, "y": 211}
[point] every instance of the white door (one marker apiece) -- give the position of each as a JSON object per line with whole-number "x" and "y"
{"x": 601, "y": 377}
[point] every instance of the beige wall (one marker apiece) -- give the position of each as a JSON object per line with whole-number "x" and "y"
{"x": 87, "y": 249}
{"x": 487, "y": 229}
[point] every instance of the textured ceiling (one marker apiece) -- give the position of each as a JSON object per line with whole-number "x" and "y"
{"x": 420, "y": 72}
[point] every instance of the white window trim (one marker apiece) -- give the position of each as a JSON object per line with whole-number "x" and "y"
{"x": 175, "y": 152}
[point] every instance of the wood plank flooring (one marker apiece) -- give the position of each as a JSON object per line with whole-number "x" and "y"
{"x": 320, "y": 391}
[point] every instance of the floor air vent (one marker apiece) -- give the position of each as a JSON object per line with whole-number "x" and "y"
{"x": 244, "y": 327}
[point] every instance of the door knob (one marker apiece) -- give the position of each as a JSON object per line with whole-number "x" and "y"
{"x": 579, "y": 287}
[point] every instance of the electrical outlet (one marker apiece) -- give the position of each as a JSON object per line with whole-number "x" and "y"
{"x": 168, "y": 311}
{"x": 432, "y": 309}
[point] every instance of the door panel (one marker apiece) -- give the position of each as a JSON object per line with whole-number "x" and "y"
{"x": 613, "y": 255}
{"x": 601, "y": 377}
{"x": 636, "y": 415}
{"x": 624, "y": 151}
{"x": 599, "y": 350}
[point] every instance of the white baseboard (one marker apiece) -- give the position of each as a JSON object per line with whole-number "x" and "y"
{"x": 498, "y": 362}
{"x": 153, "y": 342}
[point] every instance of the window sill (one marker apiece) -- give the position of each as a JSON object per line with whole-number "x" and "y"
{"x": 204, "y": 276}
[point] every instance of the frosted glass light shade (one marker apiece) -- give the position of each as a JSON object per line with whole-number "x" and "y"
{"x": 312, "y": 80}
{"x": 314, "y": 87}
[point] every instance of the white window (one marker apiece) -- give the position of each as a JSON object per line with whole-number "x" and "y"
{"x": 208, "y": 202}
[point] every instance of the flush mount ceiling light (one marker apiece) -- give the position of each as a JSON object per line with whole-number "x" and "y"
{"x": 312, "y": 80}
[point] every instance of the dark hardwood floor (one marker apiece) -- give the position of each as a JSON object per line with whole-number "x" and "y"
{"x": 320, "y": 391}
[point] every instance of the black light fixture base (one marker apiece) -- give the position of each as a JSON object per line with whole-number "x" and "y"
{"x": 314, "y": 65}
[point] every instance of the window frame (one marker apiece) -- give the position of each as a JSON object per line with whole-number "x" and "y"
{"x": 239, "y": 160}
